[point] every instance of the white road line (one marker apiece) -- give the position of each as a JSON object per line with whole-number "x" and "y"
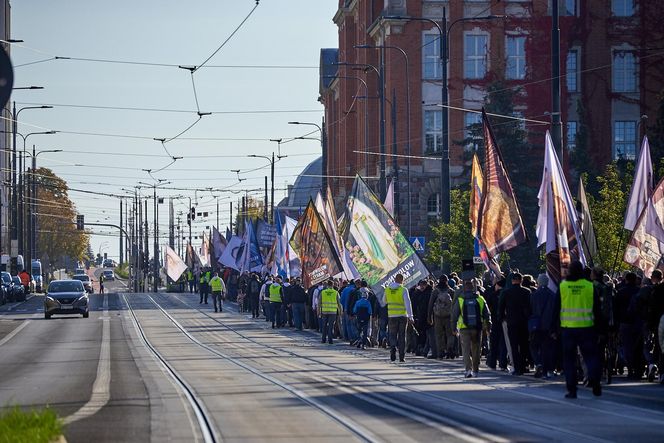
{"x": 14, "y": 332}
{"x": 101, "y": 389}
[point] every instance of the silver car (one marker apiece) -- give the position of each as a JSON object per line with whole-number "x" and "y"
{"x": 66, "y": 297}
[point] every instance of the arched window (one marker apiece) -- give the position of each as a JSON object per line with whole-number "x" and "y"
{"x": 433, "y": 205}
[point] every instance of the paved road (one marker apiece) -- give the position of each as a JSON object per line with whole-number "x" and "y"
{"x": 162, "y": 367}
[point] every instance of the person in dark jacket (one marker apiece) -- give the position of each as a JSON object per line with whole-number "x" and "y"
{"x": 515, "y": 310}
{"x": 253, "y": 290}
{"x": 296, "y": 297}
{"x": 362, "y": 311}
{"x": 629, "y": 331}
{"x": 497, "y": 346}
{"x": 542, "y": 328}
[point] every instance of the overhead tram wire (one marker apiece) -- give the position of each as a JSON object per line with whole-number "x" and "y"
{"x": 182, "y": 111}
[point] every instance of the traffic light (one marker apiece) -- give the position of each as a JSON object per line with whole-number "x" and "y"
{"x": 80, "y": 222}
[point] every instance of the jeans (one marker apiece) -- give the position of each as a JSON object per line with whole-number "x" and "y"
{"x": 275, "y": 313}
{"x": 444, "y": 338}
{"x": 192, "y": 286}
{"x": 353, "y": 333}
{"x": 298, "y": 314}
{"x": 397, "y": 331}
{"x": 542, "y": 348}
{"x": 471, "y": 341}
{"x": 217, "y": 298}
{"x": 586, "y": 340}
{"x": 363, "y": 326}
{"x": 266, "y": 310}
{"x": 497, "y": 348}
{"x": 382, "y": 323}
{"x": 328, "y": 327}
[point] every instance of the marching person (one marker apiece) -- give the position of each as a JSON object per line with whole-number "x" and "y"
{"x": 579, "y": 308}
{"x": 470, "y": 314}
{"x": 191, "y": 280}
{"x": 363, "y": 312}
{"x": 439, "y": 313}
{"x": 254, "y": 289}
{"x": 218, "y": 292}
{"x": 297, "y": 297}
{"x": 328, "y": 305}
{"x": 204, "y": 286}
{"x": 514, "y": 306}
{"x": 101, "y": 283}
{"x": 400, "y": 314}
{"x": 265, "y": 297}
{"x": 276, "y": 293}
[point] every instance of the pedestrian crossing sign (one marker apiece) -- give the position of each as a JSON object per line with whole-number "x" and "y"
{"x": 418, "y": 243}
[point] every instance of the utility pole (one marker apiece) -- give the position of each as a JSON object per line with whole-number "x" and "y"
{"x": 140, "y": 259}
{"x": 121, "y": 252}
{"x": 272, "y": 197}
{"x": 556, "y": 124}
{"x": 217, "y": 200}
{"x": 146, "y": 267}
{"x": 231, "y": 219}
{"x": 266, "y": 201}
{"x": 155, "y": 253}
{"x": 395, "y": 163}
{"x": 381, "y": 184}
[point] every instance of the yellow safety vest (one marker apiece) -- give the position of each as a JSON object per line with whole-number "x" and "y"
{"x": 460, "y": 323}
{"x": 576, "y": 304}
{"x": 190, "y": 275}
{"x": 395, "y": 304}
{"x": 328, "y": 301}
{"x": 275, "y": 293}
{"x": 216, "y": 284}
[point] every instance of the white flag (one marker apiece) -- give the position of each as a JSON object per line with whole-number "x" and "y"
{"x": 641, "y": 188}
{"x": 173, "y": 264}
{"x": 389, "y": 199}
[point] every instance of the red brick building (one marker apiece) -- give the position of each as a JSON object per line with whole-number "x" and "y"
{"x": 609, "y": 62}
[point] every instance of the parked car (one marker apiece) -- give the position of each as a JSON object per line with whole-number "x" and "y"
{"x": 37, "y": 275}
{"x": 79, "y": 271}
{"x": 66, "y": 297}
{"x": 12, "y": 288}
{"x": 19, "y": 291}
{"x": 108, "y": 275}
{"x": 87, "y": 283}
{"x": 108, "y": 263}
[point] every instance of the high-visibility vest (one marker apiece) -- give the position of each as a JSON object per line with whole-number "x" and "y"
{"x": 275, "y": 293}
{"x": 576, "y": 304}
{"x": 328, "y": 301}
{"x": 190, "y": 275}
{"x": 216, "y": 284}
{"x": 460, "y": 322}
{"x": 395, "y": 304}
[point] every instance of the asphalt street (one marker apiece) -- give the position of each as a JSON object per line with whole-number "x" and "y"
{"x": 162, "y": 367}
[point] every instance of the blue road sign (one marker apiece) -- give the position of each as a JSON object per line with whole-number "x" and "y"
{"x": 418, "y": 243}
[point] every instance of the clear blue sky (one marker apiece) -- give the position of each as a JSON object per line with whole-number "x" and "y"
{"x": 280, "y": 32}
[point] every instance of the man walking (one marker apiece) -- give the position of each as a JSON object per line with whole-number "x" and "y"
{"x": 541, "y": 327}
{"x": 254, "y": 289}
{"x": 191, "y": 280}
{"x": 328, "y": 306}
{"x": 579, "y": 309}
{"x": 265, "y": 297}
{"x": 204, "y": 286}
{"x": 515, "y": 310}
{"x": 276, "y": 293}
{"x": 218, "y": 292}
{"x": 362, "y": 311}
{"x": 469, "y": 315}
{"x": 440, "y": 313}
{"x": 296, "y": 297}
{"x": 400, "y": 313}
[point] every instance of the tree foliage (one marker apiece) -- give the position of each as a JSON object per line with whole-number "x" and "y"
{"x": 456, "y": 233}
{"x": 57, "y": 236}
{"x": 254, "y": 209}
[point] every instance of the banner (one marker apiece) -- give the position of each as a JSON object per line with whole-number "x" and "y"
{"x": 219, "y": 244}
{"x": 313, "y": 244}
{"x": 205, "y": 250}
{"x": 265, "y": 233}
{"x": 557, "y": 223}
{"x": 374, "y": 242}
{"x": 389, "y": 199}
{"x": 500, "y": 225}
{"x": 586, "y": 225}
{"x": 281, "y": 249}
{"x": 252, "y": 259}
{"x": 294, "y": 264}
{"x": 646, "y": 246}
{"x": 192, "y": 261}
{"x": 329, "y": 216}
{"x": 173, "y": 264}
{"x": 641, "y": 187}
{"x": 476, "y": 186}
{"x": 232, "y": 256}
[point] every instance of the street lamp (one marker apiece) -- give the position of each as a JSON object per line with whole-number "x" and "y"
{"x": 271, "y": 160}
{"x": 408, "y": 135}
{"x": 155, "y": 258}
{"x": 443, "y": 41}
{"x": 33, "y": 200}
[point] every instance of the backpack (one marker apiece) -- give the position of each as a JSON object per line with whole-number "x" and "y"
{"x": 471, "y": 313}
{"x": 442, "y": 307}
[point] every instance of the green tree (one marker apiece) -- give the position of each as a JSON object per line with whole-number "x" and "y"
{"x": 656, "y": 134}
{"x": 608, "y": 210}
{"x": 57, "y": 236}
{"x": 456, "y": 233}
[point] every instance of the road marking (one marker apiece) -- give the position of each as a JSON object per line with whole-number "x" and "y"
{"x": 101, "y": 388}
{"x": 14, "y": 332}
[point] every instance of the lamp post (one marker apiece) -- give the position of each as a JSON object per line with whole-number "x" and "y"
{"x": 33, "y": 200}
{"x": 155, "y": 257}
{"x": 443, "y": 49}
{"x": 271, "y": 160}
{"x": 408, "y": 134}
{"x": 380, "y": 72}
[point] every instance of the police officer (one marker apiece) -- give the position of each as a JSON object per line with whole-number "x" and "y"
{"x": 276, "y": 293}
{"x": 218, "y": 292}
{"x": 328, "y": 306}
{"x": 399, "y": 313}
{"x": 580, "y": 316}
{"x": 204, "y": 286}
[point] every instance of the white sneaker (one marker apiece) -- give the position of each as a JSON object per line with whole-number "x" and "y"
{"x": 469, "y": 374}
{"x": 475, "y": 374}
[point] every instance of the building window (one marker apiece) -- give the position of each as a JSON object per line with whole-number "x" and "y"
{"x": 570, "y": 8}
{"x": 475, "y": 52}
{"x": 572, "y": 128}
{"x": 573, "y": 71}
{"x": 624, "y": 71}
{"x": 516, "y": 58}
{"x": 433, "y": 205}
{"x": 432, "y": 63}
{"x": 622, "y": 8}
{"x": 624, "y": 140}
{"x": 473, "y": 130}
{"x": 433, "y": 125}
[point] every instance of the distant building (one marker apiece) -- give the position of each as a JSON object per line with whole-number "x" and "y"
{"x": 307, "y": 185}
{"x": 611, "y": 66}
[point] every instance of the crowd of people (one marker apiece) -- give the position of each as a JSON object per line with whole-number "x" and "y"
{"x": 591, "y": 327}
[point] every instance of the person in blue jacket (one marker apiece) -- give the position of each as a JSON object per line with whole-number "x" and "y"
{"x": 362, "y": 311}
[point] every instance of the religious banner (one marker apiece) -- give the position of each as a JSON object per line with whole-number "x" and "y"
{"x": 294, "y": 264}
{"x": 318, "y": 256}
{"x": 375, "y": 243}
{"x": 646, "y": 246}
{"x": 173, "y": 264}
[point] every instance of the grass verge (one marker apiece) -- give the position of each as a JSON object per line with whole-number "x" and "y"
{"x": 34, "y": 426}
{"x": 122, "y": 271}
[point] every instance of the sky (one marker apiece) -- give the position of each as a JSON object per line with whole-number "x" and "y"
{"x": 264, "y": 76}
